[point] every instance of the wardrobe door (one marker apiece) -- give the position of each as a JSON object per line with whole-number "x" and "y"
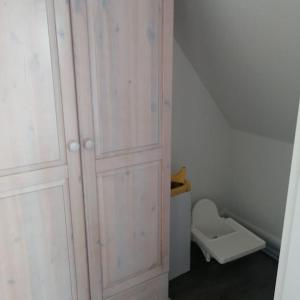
{"x": 126, "y": 125}
{"x": 42, "y": 237}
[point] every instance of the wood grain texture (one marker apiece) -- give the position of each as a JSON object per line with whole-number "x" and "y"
{"x": 66, "y": 81}
{"x": 42, "y": 230}
{"x": 122, "y": 82}
{"x": 128, "y": 75}
{"x": 130, "y": 221}
{"x": 82, "y": 44}
{"x": 34, "y": 250}
{"x": 129, "y": 54}
{"x": 121, "y": 161}
{"x": 119, "y": 72}
{"x": 27, "y": 98}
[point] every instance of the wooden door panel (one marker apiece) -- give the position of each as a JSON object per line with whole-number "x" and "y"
{"x": 127, "y": 109}
{"x": 42, "y": 233}
{"x": 35, "y": 233}
{"x": 123, "y": 51}
{"x": 130, "y": 222}
{"x": 31, "y": 133}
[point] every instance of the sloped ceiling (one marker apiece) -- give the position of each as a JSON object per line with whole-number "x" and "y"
{"x": 247, "y": 53}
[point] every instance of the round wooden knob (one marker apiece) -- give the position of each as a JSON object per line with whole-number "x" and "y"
{"x": 74, "y": 146}
{"x": 88, "y": 144}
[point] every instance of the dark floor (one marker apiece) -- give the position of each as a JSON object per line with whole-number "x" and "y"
{"x": 249, "y": 278}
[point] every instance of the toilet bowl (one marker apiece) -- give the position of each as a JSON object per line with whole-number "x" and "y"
{"x": 221, "y": 238}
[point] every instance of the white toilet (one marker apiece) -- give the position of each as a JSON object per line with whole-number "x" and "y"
{"x": 221, "y": 238}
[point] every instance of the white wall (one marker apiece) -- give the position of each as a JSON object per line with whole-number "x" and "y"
{"x": 246, "y": 174}
{"x": 260, "y": 177}
{"x": 201, "y": 135}
{"x": 246, "y": 52}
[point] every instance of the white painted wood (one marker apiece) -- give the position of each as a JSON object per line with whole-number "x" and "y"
{"x": 287, "y": 286}
{"x": 34, "y": 249}
{"x": 116, "y": 162}
{"x": 167, "y": 72}
{"x": 42, "y": 233}
{"x": 81, "y": 42}
{"x": 26, "y": 78}
{"x": 74, "y": 146}
{"x": 88, "y": 144}
{"x": 130, "y": 223}
{"x": 43, "y": 238}
{"x": 127, "y": 50}
{"x": 180, "y": 234}
{"x": 123, "y": 50}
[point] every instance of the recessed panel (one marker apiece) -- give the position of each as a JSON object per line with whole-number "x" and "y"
{"x": 128, "y": 62}
{"x": 34, "y": 255}
{"x": 130, "y": 205}
{"x": 28, "y": 133}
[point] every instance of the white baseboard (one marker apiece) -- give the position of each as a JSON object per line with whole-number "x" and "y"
{"x": 273, "y": 242}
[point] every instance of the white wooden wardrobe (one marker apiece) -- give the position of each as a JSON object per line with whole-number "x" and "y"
{"x": 85, "y": 113}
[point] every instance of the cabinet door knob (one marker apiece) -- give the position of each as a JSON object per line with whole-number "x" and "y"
{"x": 74, "y": 146}
{"x": 88, "y": 144}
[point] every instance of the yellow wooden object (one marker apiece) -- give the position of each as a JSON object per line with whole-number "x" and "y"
{"x": 180, "y": 177}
